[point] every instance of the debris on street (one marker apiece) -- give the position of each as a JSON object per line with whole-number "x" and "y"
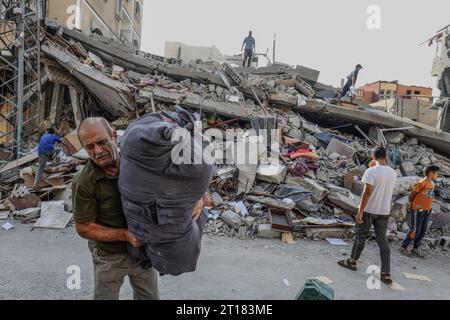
{"x": 309, "y": 190}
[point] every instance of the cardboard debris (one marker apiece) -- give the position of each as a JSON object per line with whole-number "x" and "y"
{"x": 28, "y": 201}
{"x": 72, "y": 144}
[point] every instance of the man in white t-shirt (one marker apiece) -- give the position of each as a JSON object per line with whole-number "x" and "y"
{"x": 374, "y": 209}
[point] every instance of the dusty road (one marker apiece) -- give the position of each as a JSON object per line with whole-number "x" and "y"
{"x": 33, "y": 265}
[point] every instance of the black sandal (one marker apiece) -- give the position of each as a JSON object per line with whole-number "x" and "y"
{"x": 386, "y": 278}
{"x": 347, "y": 264}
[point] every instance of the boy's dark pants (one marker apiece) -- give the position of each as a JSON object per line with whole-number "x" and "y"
{"x": 419, "y": 225}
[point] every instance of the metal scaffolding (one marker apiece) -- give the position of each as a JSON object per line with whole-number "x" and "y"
{"x": 20, "y": 74}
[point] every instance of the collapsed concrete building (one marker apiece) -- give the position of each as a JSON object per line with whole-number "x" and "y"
{"x": 312, "y": 194}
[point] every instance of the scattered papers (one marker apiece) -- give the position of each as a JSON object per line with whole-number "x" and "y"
{"x": 336, "y": 242}
{"x": 416, "y": 277}
{"x": 214, "y": 214}
{"x": 239, "y": 207}
{"x": 7, "y": 226}
{"x": 323, "y": 279}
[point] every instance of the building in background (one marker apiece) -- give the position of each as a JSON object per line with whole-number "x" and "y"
{"x": 413, "y": 102}
{"x": 119, "y": 19}
{"x": 189, "y": 53}
{"x": 383, "y": 90}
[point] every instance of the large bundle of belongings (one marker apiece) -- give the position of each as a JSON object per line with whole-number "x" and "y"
{"x": 159, "y": 192}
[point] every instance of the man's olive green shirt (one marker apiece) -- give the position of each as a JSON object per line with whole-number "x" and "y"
{"x": 96, "y": 197}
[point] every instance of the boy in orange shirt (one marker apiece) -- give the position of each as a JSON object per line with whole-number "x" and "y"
{"x": 421, "y": 201}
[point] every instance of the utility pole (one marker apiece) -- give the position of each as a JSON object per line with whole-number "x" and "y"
{"x": 274, "y": 46}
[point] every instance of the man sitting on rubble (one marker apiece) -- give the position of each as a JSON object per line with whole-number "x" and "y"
{"x": 250, "y": 48}
{"x": 421, "y": 203}
{"x": 46, "y": 151}
{"x": 374, "y": 209}
{"x": 99, "y": 217}
{"x": 351, "y": 80}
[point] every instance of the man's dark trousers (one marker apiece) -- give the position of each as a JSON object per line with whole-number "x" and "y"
{"x": 380, "y": 224}
{"x": 248, "y": 54}
{"x": 347, "y": 87}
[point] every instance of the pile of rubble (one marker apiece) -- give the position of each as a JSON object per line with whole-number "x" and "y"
{"x": 310, "y": 189}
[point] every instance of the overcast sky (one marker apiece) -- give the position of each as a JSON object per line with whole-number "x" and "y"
{"x": 328, "y": 35}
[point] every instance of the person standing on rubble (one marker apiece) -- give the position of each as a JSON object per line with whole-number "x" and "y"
{"x": 351, "y": 80}
{"x": 421, "y": 204}
{"x": 374, "y": 210}
{"x": 250, "y": 49}
{"x": 46, "y": 150}
{"x": 99, "y": 217}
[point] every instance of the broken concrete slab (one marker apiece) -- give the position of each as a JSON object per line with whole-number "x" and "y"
{"x": 114, "y": 95}
{"x": 53, "y": 215}
{"x": 444, "y": 242}
{"x": 323, "y": 233}
{"x": 336, "y": 146}
{"x": 395, "y": 137}
{"x": 4, "y": 214}
{"x": 26, "y": 214}
{"x": 408, "y": 169}
{"x": 66, "y": 196}
{"x": 265, "y": 231}
{"x": 19, "y": 163}
{"x": 440, "y": 220}
{"x": 271, "y": 173}
{"x": 196, "y": 101}
{"x": 398, "y": 212}
{"x": 271, "y": 202}
{"x": 404, "y": 184}
{"x": 249, "y": 221}
{"x": 344, "y": 199}
{"x": 232, "y": 219}
{"x": 242, "y": 233}
{"x": 318, "y": 191}
{"x": 430, "y": 136}
{"x": 431, "y": 241}
{"x": 246, "y": 178}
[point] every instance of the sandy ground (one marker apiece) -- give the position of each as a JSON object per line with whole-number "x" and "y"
{"x": 33, "y": 265}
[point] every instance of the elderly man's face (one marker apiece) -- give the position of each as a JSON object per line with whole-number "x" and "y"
{"x": 100, "y": 146}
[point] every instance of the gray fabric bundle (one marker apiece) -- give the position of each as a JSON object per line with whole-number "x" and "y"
{"x": 158, "y": 195}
